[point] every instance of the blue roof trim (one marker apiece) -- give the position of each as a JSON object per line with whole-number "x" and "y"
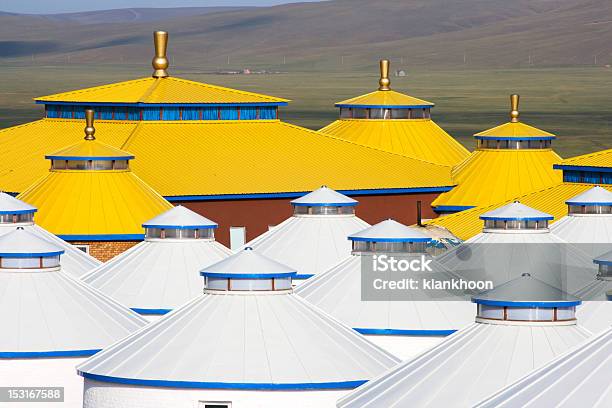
{"x": 226, "y": 386}
{"x": 570, "y": 202}
{"x": 30, "y": 254}
{"x": 107, "y": 237}
{"x": 324, "y": 204}
{"x": 302, "y": 193}
{"x": 248, "y": 275}
{"x": 151, "y": 311}
{"x": 583, "y": 168}
{"x": 453, "y": 208}
{"x": 344, "y": 105}
{"x": 303, "y": 275}
{"x": 401, "y": 332}
{"x": 42, "y": 354}
{"x": 515, "y": 137}
{"x": 19, "y": 211}
{"x": 389, "y": 239}
{"x": 184, "y": 227}
{"x": 548, "y": 218}
{"x": 152, "y": 105}
{"x": 89, "y": 157}
{"x": 602, "y": 261}
{"x": 560, "y": 303}
{"x": 609, "y": 296}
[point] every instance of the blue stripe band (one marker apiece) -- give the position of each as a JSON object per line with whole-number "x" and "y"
{"x": 248, "y": 275}
{"x": 400, "y": 332}
{"x": 9, "y": 212}
{"x": 389, "y": 239}
{"x": 226, "y": 386}
{"x": 567, "y": 303}
{"x": 515, "y": 137}
{"x": 41, "y": 354}
{"x": 89, "y": 158}
{"x": 585, "y": 203}
{"x": 453, "y": 208}
{"x": 151, "y": 311}
{"x": 169, "y": 105}
{"x": 518, "y": 218}
{"x": 107, "y": 237}
{"x": 183, "y": 227}
{"x": 609, "y": 296}
{"x": 344, "y": 105}
{"x": 583, "y": 168}
{"x": 303, "y": 276}
{"x": 602, "y": 262}
{"x": 30, "y": 254}
{"x": 300, "y": 194}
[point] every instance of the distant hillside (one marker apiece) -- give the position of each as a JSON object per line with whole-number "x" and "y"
{"x": 445, "y": 33}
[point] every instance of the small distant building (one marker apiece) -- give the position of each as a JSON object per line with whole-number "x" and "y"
{"x": 510, "y": 160}
{"x": 248, "y": 341}
{"x": 163, "y": 272}
{"x": 315, "y": 238}
{"x": 580, "y": 378}
{"x": 520, "y": 326}
{"x": 51, "y": 321}
{"x": 91, "y": 198}
{"x": 404, "y": 328}
{"x": 16, "y": 213}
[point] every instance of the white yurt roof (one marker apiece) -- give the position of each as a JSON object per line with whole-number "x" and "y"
{"x": 180, "y": 217}
{"x": 597, "y": 289}
{"x": 595, "y": 315}
{"x": 579, "y": 378}
{"x": 11, "y": 205}
{"x": 338, "y": 292}
{"x": 390, "y": 231}
{"x": 311, "y": 244}
{"x": 48, "y": 313}
{"x": 157, "y": 276}
{"x": 516, "y": 211}
{"x": 592, "y": 233}
{"x": 247, "y": 340}
{"x": 594, "y": 196}
{"x": 324, "y": 196}
{"x": 248, "y": 263}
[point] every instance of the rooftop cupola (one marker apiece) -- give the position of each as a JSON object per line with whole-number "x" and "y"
{"x": 14, "y": 211}
{"x": 179, "y": 223}
{"x": 160, "y": 61}
{"x": 247, "y": 271}
{"x": 21, "y": 250}
{"x": 322, "y": 202}
{"x": 514, "y": 218}
{"x": 90, "y": 154}
{"x": 526, "y": 300}
{"x": 605, "y": 266}
{"x": 595, "y": 201}
{"x": 389, "y": 236}
{"x": 514, "y": 135}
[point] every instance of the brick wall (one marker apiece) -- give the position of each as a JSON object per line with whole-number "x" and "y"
{"x": 105, "y": 250}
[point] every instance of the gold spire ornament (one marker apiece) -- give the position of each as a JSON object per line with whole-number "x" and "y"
{"x": 160, "y": 61}
{"x": 514, "y": 104}
{"x": 90, "y": 130}
{"x": 384, "y": 81}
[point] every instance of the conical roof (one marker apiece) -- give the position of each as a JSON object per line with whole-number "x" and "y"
{"x": 526, "y": 291}
{"x": 50, "y": 314}
{"x": 324, "y": 196}
{"x": 581, "y": 377}
{"x": 248, "y": 341}
{"x": 516, "y": 211}
{"x": 515, "y": 130}
{"x": 594, "y": 196}
{"x": 11, "y": 205}
{"x": 181, "y": 218}
{"x": 390, "y": 231}
{"x": 248, "y": 264}
{"x": 604, "y": 259}
{"x": 391, "y": 99}
{"x": 90, "y": 150}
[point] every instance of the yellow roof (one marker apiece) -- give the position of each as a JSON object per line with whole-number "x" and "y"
{"x": 385, "y": 98}
{"x": 551, "y": 200}
{"x": 90, "y": 149}
{"x": 220, "y": 157}
{"x": 160, "y": 90}
{"x": 419, "y": 138}
{"x": 489, "y": 176}
{"x": 514, "y": 129}
{"x": 602, "y": 158}
{"x": 81, "y": 202}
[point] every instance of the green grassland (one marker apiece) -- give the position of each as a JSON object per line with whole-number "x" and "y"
{"x": 573, "y": 103}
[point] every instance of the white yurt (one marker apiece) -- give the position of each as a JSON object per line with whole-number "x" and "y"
{"x": 520, "y": 326}
{"x": 49, "y": 320}
{"x": 314, "y": 238}
{"x": 588, "y": 224}
{"x": 16, "y": 213}
{"x": 516, "y": 238}
{"x": 405, "y": 328}
{"x": 238, "y": 345}
{"x": 579, "y": 378}
{"x": 162, "y": 272}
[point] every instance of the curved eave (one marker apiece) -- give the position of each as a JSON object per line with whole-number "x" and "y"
{"x": 248, "y": 275}
{"x": 514, "y": 137}
{"x": 404, "y": 332}
{"x": 161, "y": 105}
{"x": 184, "y": 227}
{"x": 602, "y": 262}
{"x": 56, "y": 157}
{"x": 48, "y": 354}
{"x": 3, "y": 212}
{"x": 30, "y": 254}
{"x": 105, "y": 237}
{"x": 582, "y": 168}
{"x": 344, "y": 105}
{"x": 224, "y": 385}
{"x": 550, "y": 218}
{"x": 587, "y": 203}
{"x": 527, "y": 303}
{"x": 145, "y": 311}
{"x": 367, "y": 239}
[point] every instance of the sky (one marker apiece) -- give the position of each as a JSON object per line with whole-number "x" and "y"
{"x": 68, "y": 6}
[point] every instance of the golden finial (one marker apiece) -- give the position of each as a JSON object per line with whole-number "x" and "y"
{"x": 514, "y": 103}
{"x": 90, "y": 130}
{"x": 160, "y": 61}
{"x": 384, "y": 76}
